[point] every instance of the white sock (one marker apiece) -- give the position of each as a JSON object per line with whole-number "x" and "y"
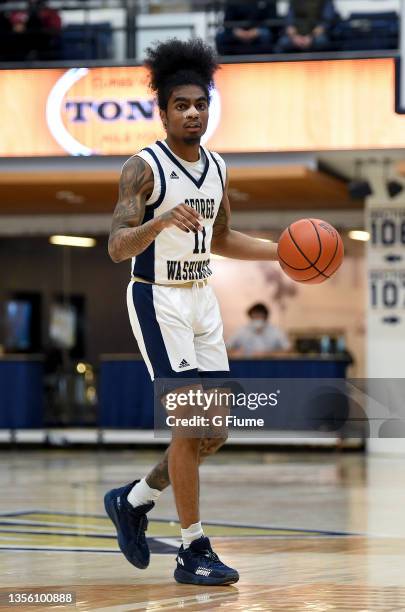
{"x": 190, "y": 534}
{"x": 142, "y": 494}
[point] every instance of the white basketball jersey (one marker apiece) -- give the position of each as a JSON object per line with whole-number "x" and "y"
{"x": 176, "y": 256}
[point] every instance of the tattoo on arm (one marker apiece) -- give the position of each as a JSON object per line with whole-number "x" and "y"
{"x": 128, "y": 237}
{"x": 222, "y": 220}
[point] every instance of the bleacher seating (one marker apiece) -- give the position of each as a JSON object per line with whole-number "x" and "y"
{"x": 366, "y": 31}
{"x": 86, "y": 42}
{"x": 103, "y": 35}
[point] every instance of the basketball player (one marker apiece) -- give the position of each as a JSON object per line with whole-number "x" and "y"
{"x": 173, "y": 211}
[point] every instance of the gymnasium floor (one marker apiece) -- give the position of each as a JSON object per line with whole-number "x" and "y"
{"x": 307, "y": 532}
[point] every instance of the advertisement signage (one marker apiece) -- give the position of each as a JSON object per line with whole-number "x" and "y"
{"x": 266, "y": 107}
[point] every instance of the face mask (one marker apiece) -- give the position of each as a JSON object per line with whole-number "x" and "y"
{"x": 257, "y": 324}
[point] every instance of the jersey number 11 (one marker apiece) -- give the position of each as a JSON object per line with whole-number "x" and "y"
{"x": 196, "y": 243}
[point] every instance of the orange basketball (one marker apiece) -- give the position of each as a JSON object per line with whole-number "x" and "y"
{"x": 310, "y": 251}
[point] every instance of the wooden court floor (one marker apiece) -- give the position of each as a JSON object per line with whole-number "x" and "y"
{"x": 307, "y": 531}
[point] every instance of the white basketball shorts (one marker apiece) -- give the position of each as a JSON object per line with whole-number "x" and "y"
{"x": 179, "y": 330}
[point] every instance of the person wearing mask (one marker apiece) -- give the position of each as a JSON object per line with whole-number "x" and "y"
{"x": 251, "y": 34}
{"x": 308, "y": 24}
{"x": 259, "y": 337}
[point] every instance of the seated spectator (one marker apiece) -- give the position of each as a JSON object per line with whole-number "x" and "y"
{"x": 259, "y": 337}
{"x": 5, "y": 31}
{"x": 308, "y": 24}
{"x": 252, "y": 35}
{"x": 36, "y": 32}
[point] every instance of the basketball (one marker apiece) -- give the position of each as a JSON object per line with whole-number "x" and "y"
{"x": 310, "y": 251}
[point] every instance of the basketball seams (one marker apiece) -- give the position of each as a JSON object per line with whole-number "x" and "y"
{"x": 319, "y": 240}
{"x": 334, "y": 254}
{"x": 329, "y": 264}
{"x": 312, "y": 265}
{"x": 325, "y": 268}
{"x": 306, "y": 280}
{"x": 321, "y": 272}
{"x": 336, "y": 245}
{"x": 292, "y": 267}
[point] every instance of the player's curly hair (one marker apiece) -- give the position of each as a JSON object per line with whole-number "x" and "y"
{"x": 174, "y": 62}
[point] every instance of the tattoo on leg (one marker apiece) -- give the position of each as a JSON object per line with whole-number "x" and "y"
{"x": 209, "y": 446}
{"x": 158, "y": 477}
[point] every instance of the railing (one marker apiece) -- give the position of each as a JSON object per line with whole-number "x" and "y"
{"x": 119, "y": 30}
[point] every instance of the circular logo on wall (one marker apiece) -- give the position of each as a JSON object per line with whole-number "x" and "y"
{"x": 109, "y": 111}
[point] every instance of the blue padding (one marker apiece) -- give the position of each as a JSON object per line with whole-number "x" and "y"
{"x": 214, "y": 374}
{"x": 126, "y": 395}
{"x": 288, "y": 368}
{"x": 126, "y": 392}
{"x": 21, "y": 394}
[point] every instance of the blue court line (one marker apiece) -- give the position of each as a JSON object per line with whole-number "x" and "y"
{"x": 154, "y": 537}
{"x": 57, "y": 533}
{"x": 213, "y": 523}
{"x": 57, "y": 550}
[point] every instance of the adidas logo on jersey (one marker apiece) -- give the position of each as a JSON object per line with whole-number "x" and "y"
{"x": 183, "y": 364}
{"x": 174, "y": 175}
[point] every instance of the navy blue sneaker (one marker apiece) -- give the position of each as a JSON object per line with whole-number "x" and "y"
{"x": 198, "y": 564}
{"x": 131, "y": 524}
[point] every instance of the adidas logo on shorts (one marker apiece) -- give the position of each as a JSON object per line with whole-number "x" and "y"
{"x": 183, "y": 364}
{"x": 174, "y": 175}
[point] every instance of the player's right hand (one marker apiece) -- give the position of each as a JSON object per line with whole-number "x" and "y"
{"x": 182, "y": 216}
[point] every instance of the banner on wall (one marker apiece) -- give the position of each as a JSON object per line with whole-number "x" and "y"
{"x": 266, "y": 107}
{"x": 386, "y": 263}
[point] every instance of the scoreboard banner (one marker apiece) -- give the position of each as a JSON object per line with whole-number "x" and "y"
{"x": 266, "y": 107}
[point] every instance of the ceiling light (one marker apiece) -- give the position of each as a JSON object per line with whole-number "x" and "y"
{"x": 64, "y": 195}
{"x": 76, "y": 241}
{"x": 359, "y": 235}
{"x": 75, "y": 199}
{"x": 81, "y": 368}
{"x": 69, "y": 196}
{"x": 237, "y": 195}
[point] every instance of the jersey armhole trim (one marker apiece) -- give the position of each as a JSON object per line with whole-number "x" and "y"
{"x": 219, "y": 171}
{"x": 161, "y": 176}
